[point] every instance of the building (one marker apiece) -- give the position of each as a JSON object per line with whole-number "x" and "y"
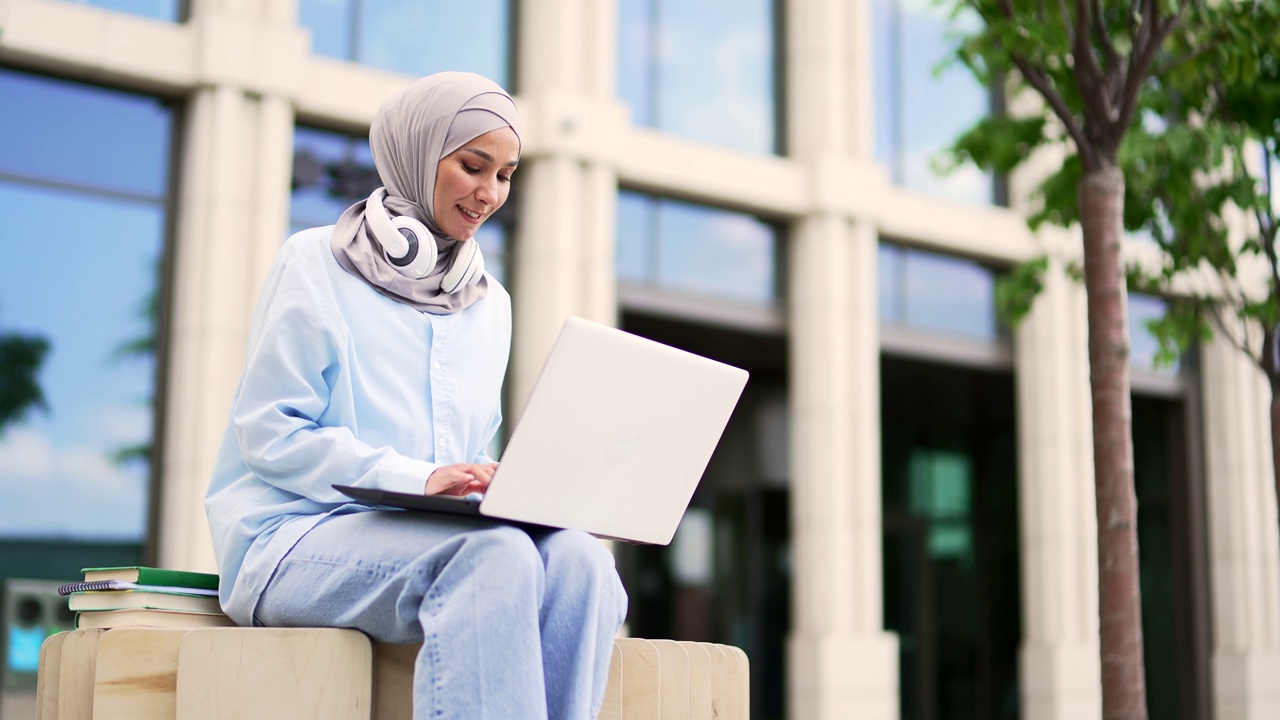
{"x": 900, "y": 519}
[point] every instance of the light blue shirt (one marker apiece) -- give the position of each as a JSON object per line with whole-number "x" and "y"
{"x": 343, "y": 385}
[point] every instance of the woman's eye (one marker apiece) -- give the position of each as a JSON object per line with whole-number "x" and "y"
{"x": 504, "y": 178}
{"x": 470, "y": 170}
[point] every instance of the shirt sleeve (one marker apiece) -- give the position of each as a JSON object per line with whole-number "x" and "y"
{"x": 491, "y": 432}
{"x": 294, "y": 346}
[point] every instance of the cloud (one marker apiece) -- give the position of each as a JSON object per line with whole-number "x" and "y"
{"x": 67, "y": 491}
{"x": 966, "y": 183}
{"x": 718, "y": 88}
{"x": 738, "y": 247}
{"x": 124, "y": 424}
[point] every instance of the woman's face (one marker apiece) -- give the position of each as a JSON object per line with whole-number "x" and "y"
{"x": 472, "y": 182}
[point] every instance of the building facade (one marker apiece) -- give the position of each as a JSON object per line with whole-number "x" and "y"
{"x": 899, "y": 521}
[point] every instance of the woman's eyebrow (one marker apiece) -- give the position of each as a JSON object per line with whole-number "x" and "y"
{"x": 489, "y": 158}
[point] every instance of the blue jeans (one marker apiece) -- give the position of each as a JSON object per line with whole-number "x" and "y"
{"x": 514, "y": 623}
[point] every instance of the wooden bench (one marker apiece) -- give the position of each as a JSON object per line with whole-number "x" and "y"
{"x": 328, "y": 674}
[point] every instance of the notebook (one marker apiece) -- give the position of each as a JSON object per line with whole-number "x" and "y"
{"x": 613, "y": 439}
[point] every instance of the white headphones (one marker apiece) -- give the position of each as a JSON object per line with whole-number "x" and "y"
{"x": 410, "y": 248}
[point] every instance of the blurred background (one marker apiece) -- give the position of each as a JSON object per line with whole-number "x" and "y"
{"x": 899, "y": 519}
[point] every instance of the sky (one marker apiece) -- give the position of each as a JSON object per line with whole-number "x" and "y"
{"x": 84, "y": 226}
{"x": 56, "y": 472}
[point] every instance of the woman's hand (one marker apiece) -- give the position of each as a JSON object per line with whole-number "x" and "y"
{"x": 460, "y": 479}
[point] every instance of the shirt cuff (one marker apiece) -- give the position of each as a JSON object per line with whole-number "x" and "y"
{"x": 398, "y": 473}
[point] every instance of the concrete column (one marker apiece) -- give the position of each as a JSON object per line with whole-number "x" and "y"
{"x": 829, "y": 79}
{"x": 841, "y": 663}
{"x": 566, "y": 187}
{"x": 232, "y": 214}
{"x": 1058, "y": 658}
{"x": 1243, "y": 543}
{"x": 563, "y": 258}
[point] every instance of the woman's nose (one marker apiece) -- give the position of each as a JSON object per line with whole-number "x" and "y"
{"x": 487, "y": 190}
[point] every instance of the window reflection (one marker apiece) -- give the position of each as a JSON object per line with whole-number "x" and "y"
{"x": 919, "y": 110}
{"x": 332, "y": 170}
{"x": 693, "y": 248}
{"x": 1143, "y": 345}
{"x": 155, "y": 9}
{"x": 414, "y": 37}
{"x": 704, "y": 70}
{"x": 83, "y": 197}
{"x": 928, "y": 291}
{"x": 84, "y": 126}
{"x": 950, "y": 516}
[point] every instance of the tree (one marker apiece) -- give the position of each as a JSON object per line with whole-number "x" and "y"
{"x": 20, "y": 360}
{"x": 1210, "y": 160}
{"x": 1093, "y": 66}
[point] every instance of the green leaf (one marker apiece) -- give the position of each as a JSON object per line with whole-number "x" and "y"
{"x": 1016, "y": 292}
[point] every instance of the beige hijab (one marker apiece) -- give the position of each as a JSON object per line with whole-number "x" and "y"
{"x": 413, "y": 130}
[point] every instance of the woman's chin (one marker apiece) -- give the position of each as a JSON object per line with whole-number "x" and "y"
{"x": 462, "y": 234}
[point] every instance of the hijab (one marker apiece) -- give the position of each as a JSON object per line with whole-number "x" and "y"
{"x": 412, "y": 131}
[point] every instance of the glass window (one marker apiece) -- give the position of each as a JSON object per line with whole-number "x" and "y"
{"x": 921, "y": 110}
{"x": 928, "y": 291}
{"x": 675, "y": 245}
{"x": 84, "y": 197}
{"x": 705, "y": 70}
{"x": 1143, "y": 346}
{"x": 950, "y": 502}
{"x": 412, "y": 36}
{"x": 332, "y": 170}
{"x": 155, "y": 9}
{"x": 940, "y": 486}
{"x": 1170, "y": 531}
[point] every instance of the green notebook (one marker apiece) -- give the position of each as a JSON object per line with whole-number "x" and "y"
{"x": 153, "y": 576}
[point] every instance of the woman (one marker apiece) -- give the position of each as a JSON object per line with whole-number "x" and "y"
{"x": 376, "y": 359}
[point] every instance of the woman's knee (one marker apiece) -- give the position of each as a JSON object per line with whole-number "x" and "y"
{"x": 582, "y": 565}
{"x": 572, "y": 552}
{"x": 503, "y": 551}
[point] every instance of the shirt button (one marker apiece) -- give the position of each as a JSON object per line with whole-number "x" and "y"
{"x": 435, "y": 364}
{"x": 442, "y": 442}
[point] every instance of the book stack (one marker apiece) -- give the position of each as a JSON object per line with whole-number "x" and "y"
{"x": 145, "y": 597}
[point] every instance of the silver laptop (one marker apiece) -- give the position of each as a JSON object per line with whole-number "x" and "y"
{"x": 613, "y": 439}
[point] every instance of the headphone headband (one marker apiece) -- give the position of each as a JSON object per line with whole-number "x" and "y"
{"x": 395, "y": 245}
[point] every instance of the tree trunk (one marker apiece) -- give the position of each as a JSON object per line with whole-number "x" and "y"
{"x": 1271, "y": 367}
{"x": 1101, "y": 194}
{"x": 1275, "y": 437}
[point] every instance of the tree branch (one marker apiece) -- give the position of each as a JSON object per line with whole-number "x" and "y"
{"x": 1178, "y": 60}
{"x": 1037, "y": 80}
{"x": 1240, "y": 342}
{"x": 1151, "y": 37}
{"x": 1044, "y": 86}
{"x": 1104, "y": 37}
{"x": 1089, "y": 74}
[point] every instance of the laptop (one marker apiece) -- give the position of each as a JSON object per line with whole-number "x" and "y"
{"x": 613, "y": 439}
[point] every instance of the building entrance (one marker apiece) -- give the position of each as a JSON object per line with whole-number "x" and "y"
{"x": 726, "y": 575}
{"x": 1173, "y": 571}
{"x": 951, "y": 586}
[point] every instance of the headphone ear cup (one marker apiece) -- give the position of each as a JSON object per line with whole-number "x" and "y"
{"x": 467, "y": 267}
{"x": 407, "y": 245}
{"x": 420, "y": 258}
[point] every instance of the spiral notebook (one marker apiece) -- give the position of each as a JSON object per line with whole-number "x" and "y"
{"x": 613, "y": 439}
